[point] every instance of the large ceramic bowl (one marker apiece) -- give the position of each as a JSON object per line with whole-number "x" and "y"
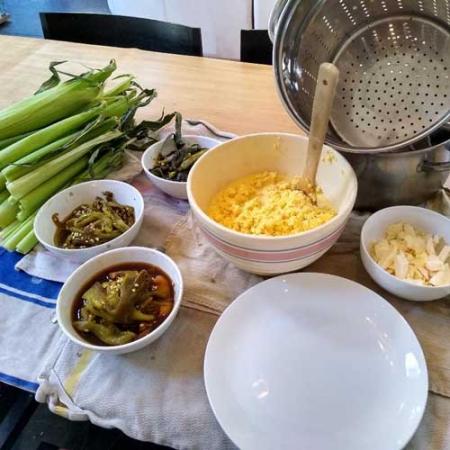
{"x": 89, "y": 269}
{"x": 67, "y": 200}
{"x": 285, "y": 153}
{"x": 373, "y": 230}
{"x": 175, "y": 189}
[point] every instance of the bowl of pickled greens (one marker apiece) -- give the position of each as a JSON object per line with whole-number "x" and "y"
{"x": 90, "y": 218}
{"x": 168, "y": 162}
{"x": 121, "y": 300}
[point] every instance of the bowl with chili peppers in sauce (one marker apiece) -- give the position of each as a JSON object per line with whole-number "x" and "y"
{"x": 90, "y": 218}
{"x": 120, "y": 301}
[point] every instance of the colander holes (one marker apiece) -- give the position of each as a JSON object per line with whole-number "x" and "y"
{"x": 356, "y": 126}
{"x": 437, "y": 113}
{"x": 423, "y": 126}
{"x": 430, "y": 120}
{"x": 403, "y": 127}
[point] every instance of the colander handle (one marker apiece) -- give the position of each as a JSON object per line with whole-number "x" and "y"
{"x": 274, "y": 18}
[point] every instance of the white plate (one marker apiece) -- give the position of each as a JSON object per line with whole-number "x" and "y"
{"x": 314, "y": 361}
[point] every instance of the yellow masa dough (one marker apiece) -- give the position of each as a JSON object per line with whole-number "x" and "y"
{"x": 268, "y": 203}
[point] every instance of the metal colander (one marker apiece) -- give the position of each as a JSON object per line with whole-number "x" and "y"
{"x": 394, "y": 62}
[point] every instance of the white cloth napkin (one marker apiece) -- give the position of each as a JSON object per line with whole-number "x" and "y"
{"x": 44, "y": 264}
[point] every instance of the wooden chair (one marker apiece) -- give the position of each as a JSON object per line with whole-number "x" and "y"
{"x": 256, "y": 46}
{"x": 122, "y": 31}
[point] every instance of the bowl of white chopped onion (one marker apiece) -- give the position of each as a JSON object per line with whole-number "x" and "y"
{"x": 406, "y": 250}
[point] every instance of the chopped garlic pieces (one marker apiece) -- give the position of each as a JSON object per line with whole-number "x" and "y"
{"x": 413, "y": 255}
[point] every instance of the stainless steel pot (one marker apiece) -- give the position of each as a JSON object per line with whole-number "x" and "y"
{"x": 405, "y": 178}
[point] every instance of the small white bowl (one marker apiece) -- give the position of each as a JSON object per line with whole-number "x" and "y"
{"x": 89, "y": 269}
{"x": 285, "y": 153}
{"x": 373, "y": 230}
{"x": 176, "y": 189}
{"x": 66, "y": 201}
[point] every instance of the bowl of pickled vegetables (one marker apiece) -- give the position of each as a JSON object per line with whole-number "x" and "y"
{"x": 90, "y": 218}
{"x": 121, "y": 300}
{"x": 168, "y": 162}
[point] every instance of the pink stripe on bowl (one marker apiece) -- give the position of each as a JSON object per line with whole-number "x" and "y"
{"x": 305, "y": 251}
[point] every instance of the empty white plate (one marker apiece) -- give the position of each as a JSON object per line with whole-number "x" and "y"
{"x": 313, "y": 361}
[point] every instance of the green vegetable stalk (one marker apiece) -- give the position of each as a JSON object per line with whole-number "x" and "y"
{"x": 61, "y": 100}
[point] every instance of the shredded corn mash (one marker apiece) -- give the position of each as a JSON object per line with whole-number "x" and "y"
{"x": 268, "y": 203}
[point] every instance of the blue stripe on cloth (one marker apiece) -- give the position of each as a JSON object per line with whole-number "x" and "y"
{"x": 20, "y": 280}
{"x": 18, "y": 382}
{"x": 25, "y": 298}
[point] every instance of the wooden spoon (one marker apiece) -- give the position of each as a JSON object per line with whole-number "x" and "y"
{"x": 323, "y": 101}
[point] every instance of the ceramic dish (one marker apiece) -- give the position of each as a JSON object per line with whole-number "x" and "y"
{"x": 373, "y": 230}
{"x": 66, "y": 201}
{"x": 86, "y": 271}
{"x": 174, "y": 188}
{"x": 285, "y": 153}
{"x": 315, "y": 361}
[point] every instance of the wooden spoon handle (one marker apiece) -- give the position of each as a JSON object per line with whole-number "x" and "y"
{"x": 323, "y": 101}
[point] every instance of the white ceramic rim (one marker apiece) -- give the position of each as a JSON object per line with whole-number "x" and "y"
{"x": 109, "y": 348}
{"x": 74, "y": 251}
{"x": 390, "y": 276}
{"x": 258, "y": 238}
{"x": 171, "y": 182}
{"x": 235, "y": 302}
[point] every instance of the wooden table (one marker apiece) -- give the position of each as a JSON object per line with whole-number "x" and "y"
{"x": 233, "y": 96}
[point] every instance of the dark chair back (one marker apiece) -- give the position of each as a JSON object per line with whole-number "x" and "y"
{"x": 256, "y": 46}
{"x": 122, "y": 31}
